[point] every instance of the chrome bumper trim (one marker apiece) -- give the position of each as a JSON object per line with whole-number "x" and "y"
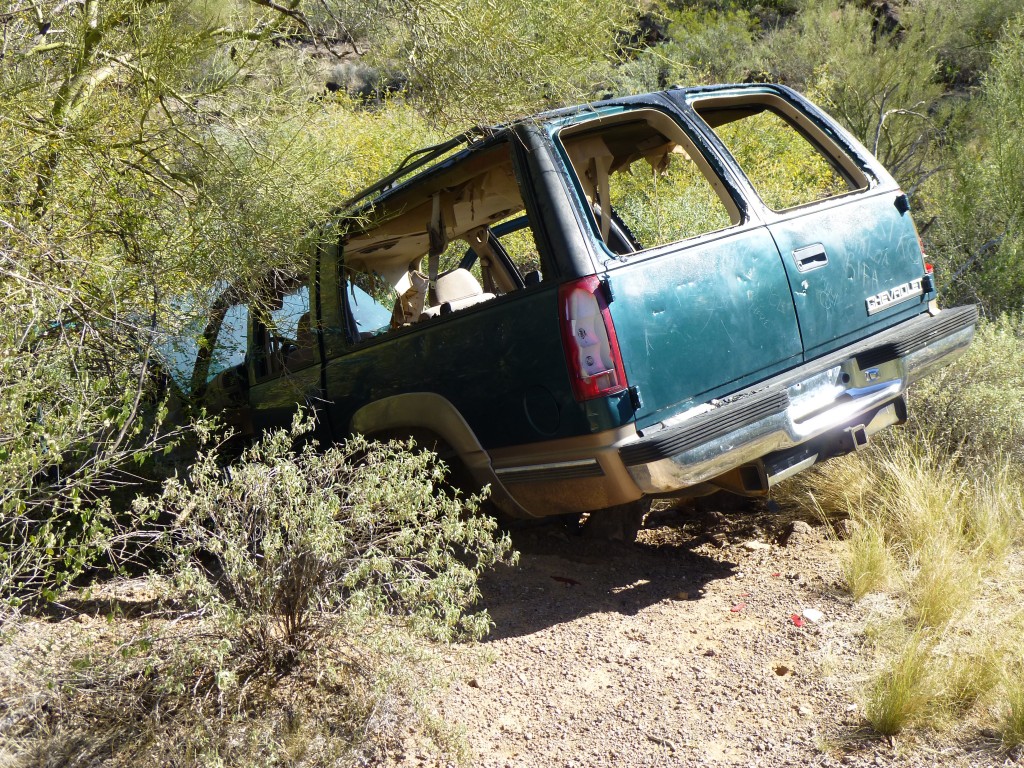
{"x": 819, "y": 402}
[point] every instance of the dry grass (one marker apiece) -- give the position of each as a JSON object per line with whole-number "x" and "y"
{"x": 168, "y": 690}
{"x": 1012, "y": 723}
{"x": 943, "y": 537}
{"x": 901, "y": 694}
{"x": 941, "y": 582}
{"x": 969, "y": 675}
{"x": 867, "y": 562}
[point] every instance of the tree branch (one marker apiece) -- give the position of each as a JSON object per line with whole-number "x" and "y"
{"x": 292, "y": 13}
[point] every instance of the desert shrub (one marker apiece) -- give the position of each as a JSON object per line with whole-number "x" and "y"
{"x": 291, "y": 632}
{"x": 899, "y": 695}
{"x": 974, "y": 408}
{"x": 966, "y": 35}
{"x": 79, "y": 412}
{"x": 287, "y": 542}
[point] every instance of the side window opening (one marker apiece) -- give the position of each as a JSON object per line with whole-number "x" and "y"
{"x": 230, "y": 346}
{"x": 644, "y": 182}
{"x": 786, "y": 160}
{"x": 432, "y": 249}
{"x": 514, "y": 239}
{"x": 282, "y": 332}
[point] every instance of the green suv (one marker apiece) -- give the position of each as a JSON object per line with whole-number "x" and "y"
{"x": 664, "y": 295}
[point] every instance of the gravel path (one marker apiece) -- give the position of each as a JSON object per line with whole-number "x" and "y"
{"x": 699, "y": 645}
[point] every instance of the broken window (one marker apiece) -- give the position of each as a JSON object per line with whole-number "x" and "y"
{"x": 230, "y": 346}
{"x": 644, "y": 182}
{"x": 370, "y": 301}
{"x": 431, "y": 249}
{"x": 208, "y": 344}
{"x": 786, "y": 158}
{"x": 283, "y": 338}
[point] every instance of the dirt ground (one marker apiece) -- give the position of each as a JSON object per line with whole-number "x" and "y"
{"x": 697, "y": 646}
{"x": 718, "y": 639}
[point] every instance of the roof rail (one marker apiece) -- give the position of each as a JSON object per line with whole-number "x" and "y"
{"x": 423, "y": 156}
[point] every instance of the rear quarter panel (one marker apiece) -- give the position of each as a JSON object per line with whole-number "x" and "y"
{"x": 499, "y": 363}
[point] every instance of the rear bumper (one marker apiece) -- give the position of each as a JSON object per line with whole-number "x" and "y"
{"x": 753, "y": 438}
{"x": 857, "y": 389}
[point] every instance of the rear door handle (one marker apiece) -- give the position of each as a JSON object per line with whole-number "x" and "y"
{"x": 810, "y": 257}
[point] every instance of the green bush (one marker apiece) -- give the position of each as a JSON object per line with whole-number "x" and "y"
{"x": 974, "y": 408}
{"x": 880, "y": 85}
{"x": 288, "y": 543}
{"x": 701, "y": 46}
{"x": 978, "y": 241}
{"x": 965, "y": 34}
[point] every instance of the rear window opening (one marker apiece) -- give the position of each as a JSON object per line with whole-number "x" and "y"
{"x": 787, "y": 159}
{"x": 452, "y": 240}
{"x": 644, "y": 182}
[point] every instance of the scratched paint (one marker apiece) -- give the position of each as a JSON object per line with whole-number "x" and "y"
{"x": 871, "y": 248}
{"x": 700, "y": 319}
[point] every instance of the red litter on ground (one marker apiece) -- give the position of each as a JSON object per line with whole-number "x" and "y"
{"x": 738, "y": 607}
{"x": 796, "y": 620}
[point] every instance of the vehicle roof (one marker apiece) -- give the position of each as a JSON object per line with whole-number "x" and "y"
{"x": 481, "y": 137}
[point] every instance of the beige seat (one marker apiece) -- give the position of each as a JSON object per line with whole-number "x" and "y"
{"x": 305, "y": 341}
{"x": 412, "y": 295}
{"x": 456, "y": 290}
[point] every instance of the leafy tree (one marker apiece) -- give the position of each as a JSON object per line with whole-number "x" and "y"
{"x": 146, "y": 154}
{"x": 980, "y": 237}
{"x": 153, "y": 153}
{"x": 881, "y": 84}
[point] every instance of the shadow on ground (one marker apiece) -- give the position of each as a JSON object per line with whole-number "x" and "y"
{"x": 561, "y": 576}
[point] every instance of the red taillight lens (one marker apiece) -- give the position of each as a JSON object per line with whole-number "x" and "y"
{"x": 588, "y": 337}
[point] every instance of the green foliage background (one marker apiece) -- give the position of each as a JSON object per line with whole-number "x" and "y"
{"x": 153, "y": 152}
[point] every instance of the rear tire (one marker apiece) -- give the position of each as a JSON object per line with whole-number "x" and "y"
{"x": 619, "y": 523}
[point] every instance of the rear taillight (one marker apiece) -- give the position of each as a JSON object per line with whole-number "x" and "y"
{"x": 588, "y": 336}
{"x": 928, "y": 281}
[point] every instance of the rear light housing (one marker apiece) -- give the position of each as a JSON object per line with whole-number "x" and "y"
{"x": 588, "y": 338}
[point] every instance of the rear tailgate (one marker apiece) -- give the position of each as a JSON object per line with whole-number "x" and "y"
{"x": 699, "y": 320}
{"x": 841, "y": 224}
{"x": 855, "y": 268}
